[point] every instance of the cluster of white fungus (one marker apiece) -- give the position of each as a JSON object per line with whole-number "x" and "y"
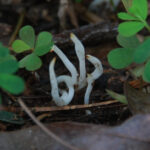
{"x": 76, "y": 81}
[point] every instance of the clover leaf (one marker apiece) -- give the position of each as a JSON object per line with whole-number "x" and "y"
{"x": 136, "y": 18}
{"x": 20, "y": 46}
{"x": 126, "y": 16}
{"x": 3, "y": 51}
{"x": 120, "y": 58}
{"x": 8, "y": 66}
{"x": 142, "y": 52}
{"x": 132, "y": 50}
{"x": 9, "y": 82}
{"x": 146, "y": 73}
{"x": 43, "y": 44}
{"x": 39, "y": 47}
{"x": 128, "y": 42}
{"x": 27, "y": 35}
{"x": 31, "y": 62}
{"x": 130, "y": 28}
{"x": 139, "y": 9}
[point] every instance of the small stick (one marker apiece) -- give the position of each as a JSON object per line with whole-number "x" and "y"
{"x": 73, "y": 107}
{"x": 44, "y": 128}
{"x": 18, "y": 26}
{"x": 55, "y": 108}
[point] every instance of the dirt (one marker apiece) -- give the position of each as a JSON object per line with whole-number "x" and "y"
{"x": 37, "y": 93}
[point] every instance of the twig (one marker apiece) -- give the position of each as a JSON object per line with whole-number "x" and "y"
{"x": 44, "y": 128}
{"x": 18, "y": 26}
{"x": 55, "y": 108}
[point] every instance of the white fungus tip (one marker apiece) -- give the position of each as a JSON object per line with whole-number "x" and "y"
{"x": 54, "y": 60}
{"x": 72, "y": 35}
{"x": 80, "y": 52}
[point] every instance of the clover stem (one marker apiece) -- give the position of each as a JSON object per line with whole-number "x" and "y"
{"x": 144, "y": 22}
{"x": 147, "y": 25}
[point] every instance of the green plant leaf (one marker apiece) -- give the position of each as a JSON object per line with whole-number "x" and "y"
{"x": 130, "y": 28}
{"x": 31, "y": 62}
{"x": 11, "y": 118}
{"x": 119, "y": 97}
{"x": 139, "y": 8}
{"x": 3, "y": 51}
{"x": 146, "y": 74}
{"x": 43, "y": 44}
{"x": 138, "y": 71}
{"x": 126, "y": 16}
{"x": 20, "y": 46}
{"x": 11, "y": 83}
{"x": 0, "y": 100}
{"x": 27, "y": 35}
{"x": 8, "y": 64}
{"x": 128, "y": 42}
{"x": 120, "y": 58}
{"x": 142, "y": 52}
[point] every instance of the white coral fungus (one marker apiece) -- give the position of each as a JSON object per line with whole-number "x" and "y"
{"x": 63, "y": 97}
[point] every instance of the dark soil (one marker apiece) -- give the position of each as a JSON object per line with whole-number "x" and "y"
{"x": 37, "y": 92}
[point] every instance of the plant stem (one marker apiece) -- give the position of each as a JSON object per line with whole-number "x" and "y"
{"x": 127, "y": 4}
{"x": 147, "y": 26}
{"x": 145, "y": 23}
{"x": 18, "y": 26}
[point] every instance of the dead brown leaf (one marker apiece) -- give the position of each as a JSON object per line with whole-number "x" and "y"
{"x": 138, "y": 101}
{"x": 134, "y": 134}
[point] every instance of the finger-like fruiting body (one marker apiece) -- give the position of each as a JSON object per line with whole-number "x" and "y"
{"x": 88, "y": 91}
{"x": 70, "y": 87}
{"x": 67, "y": 63}
{"x": 80, "y": 52}
{"x": 65, "y": 97}
{"x": 93, "y": 76}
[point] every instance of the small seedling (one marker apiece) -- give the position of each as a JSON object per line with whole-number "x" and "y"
{"x": 8, "y": 66}
{"x": 9, "y": 82}
{"x": 119, "y": 97}
{"x": 135, "y": 17}
{"x": 39, "y": 47}
{"x": 133, "y": 51}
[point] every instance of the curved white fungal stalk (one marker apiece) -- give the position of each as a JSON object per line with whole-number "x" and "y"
{"x": 68, "y": 81}
{"x": 80, "y": 52}
{"x": 93, "y": 76}
{"x": 65, "y": 97}
{"x": 67, "y": 63}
